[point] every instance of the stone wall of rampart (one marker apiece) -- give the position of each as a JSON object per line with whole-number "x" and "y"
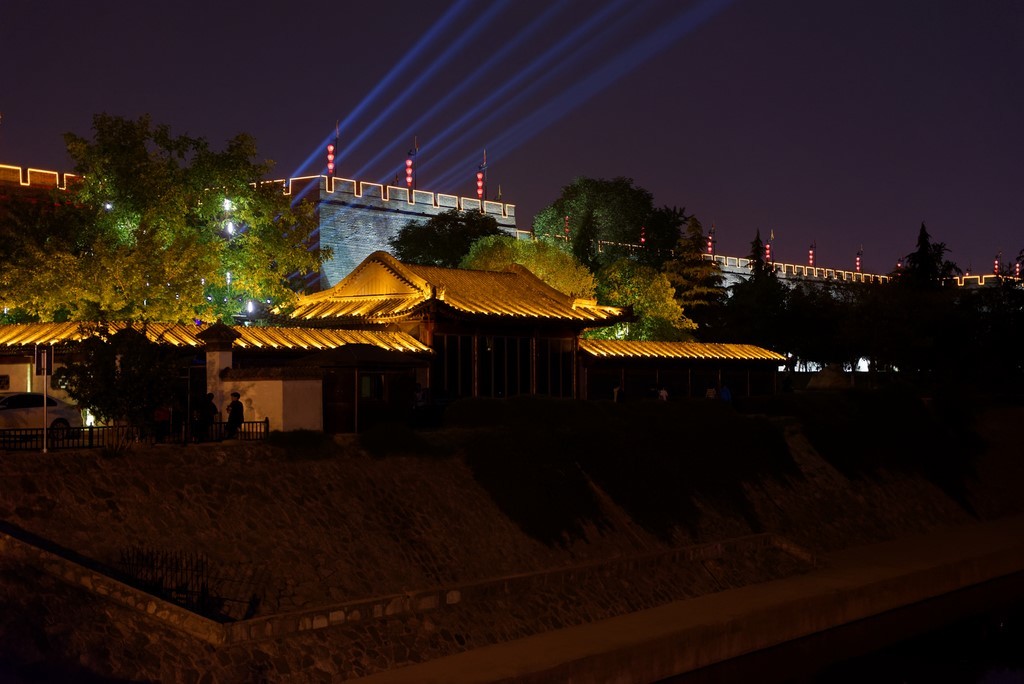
{"x": 102, "y": 585}
{"x": 358, "y": 218}
{"x": 33, "y": 178}
{"x": 414, "y": 545}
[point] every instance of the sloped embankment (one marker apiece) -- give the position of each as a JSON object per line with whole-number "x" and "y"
{"x": 506, "y": 489}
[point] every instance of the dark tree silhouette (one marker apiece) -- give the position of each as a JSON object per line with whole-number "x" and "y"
{"x": 697, "y": 280}
{"x": 444, "y": 239}
{"x": 616, "y": 213}
{"x": 927, "y": 267}
{"x": 755, "y": 312}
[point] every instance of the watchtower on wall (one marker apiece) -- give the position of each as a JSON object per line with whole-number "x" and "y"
{"x": 359, "y": 218}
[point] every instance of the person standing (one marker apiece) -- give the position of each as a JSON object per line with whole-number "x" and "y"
{"x": 205, "y": 417}
{"x": 236, "y": 414}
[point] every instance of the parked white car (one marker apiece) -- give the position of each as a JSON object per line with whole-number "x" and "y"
{"x": 25, "y": 410}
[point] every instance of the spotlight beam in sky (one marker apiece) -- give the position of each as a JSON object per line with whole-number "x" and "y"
{"x": 410, "y": 58}
{"x": 582, "y": 45}
{"x": 481, "y": 22}
{"x": 464, "y": 84}
{"x": 596, "y": 81}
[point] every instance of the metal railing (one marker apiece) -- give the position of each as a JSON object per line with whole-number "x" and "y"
{"x": 100, "y": 436}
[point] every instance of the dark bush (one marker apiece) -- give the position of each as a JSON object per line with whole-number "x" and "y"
{"x": 303, "y": 444}
{"x": 393, "y": 438}
{"x": 539, "y": 458}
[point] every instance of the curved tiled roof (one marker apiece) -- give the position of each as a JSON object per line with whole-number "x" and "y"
{"x": 677, "y": 350}
{"x": 382, "y": 288}
{"x": 27, "y": 334}
{"x": 515, "y": 292}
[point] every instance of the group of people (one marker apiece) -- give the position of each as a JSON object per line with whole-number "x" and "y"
{"x": 205, "y": 415}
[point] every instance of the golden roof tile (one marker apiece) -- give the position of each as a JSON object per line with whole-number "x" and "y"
{"x": 28, "y": 334}
{"x": 382, "y": 288}
{"x": 678, "y": 350}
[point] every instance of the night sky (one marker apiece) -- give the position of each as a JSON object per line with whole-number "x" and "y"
{"x": 842, "y": 123}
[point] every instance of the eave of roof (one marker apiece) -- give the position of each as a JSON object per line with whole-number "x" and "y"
{"x": 249, "y": 337}
{"x": 514, "y": 294}
{"x": 697, "y": 351}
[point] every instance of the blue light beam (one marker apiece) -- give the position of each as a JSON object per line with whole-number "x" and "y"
{"x": 466, "y": 83}
{"x": 442, "y": 60}
{"x": 583, "y": 43}
{"x": 585, "y": 89}
{"x": 401, "y": 66}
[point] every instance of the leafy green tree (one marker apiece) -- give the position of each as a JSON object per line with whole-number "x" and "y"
{"x": 662, "y": 232}
{"x": 652, "y": 297}
{"x": 613, "y": 213}
{"x": 443, "y": 240}
{"x": 168, "y": 230}
{"x": 546, "y": 259}
{"x": 697, "y": 280}
{"x": 122, "y": 377}
{"x": 41, "y": 235}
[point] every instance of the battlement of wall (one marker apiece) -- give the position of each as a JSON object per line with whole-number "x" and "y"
{"x": 394, "y": 197}
{"x": 358, "y": 218}
{"x": 331, "y": 187}
{"x": 34, "y": 178}
{"x": 741, "y": 266}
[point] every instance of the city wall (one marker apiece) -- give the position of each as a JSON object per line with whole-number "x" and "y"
{"x": 358, "y": 218}
{"x": 736, "y": 269}
{"x": 34, "y": 178}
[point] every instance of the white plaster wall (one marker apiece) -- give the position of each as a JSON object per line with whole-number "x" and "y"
{"x": 215, "y": 363}
{"x": 289, "y": 404}
{"x": 303, "y": 403}
{"x": 20, "y": 375}
{"x": 24, "y": 379}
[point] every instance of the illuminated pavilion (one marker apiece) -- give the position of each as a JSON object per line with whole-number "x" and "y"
{"x": 500, "y": 334}
{"x": 388, "y": 334}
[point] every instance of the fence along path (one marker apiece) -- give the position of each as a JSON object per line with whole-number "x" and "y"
{"x": 108, "y": 436}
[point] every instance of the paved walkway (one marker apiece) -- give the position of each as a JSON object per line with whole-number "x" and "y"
{"x": 685, "y": 635}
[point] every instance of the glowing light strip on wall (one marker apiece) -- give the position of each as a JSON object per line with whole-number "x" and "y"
{"x": 34, "y": 178}
{"x": 379, "y": 191}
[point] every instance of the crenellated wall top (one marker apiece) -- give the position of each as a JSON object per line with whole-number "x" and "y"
{"x": 346, "y": 188}
{"x": 33, "y": 178}
{"x": 329, "y": 186}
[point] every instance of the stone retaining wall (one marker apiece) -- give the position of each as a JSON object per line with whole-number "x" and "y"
{"x": 107, "y": 587}
{"x": 519, "y": 585}
{"x": 280, "y": 625}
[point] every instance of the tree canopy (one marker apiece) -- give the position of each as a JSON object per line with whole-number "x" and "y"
{"x": 652, "y": 297}
{"x": 756, "y": 309}
{"x": 615, "y": 213}
{"x": 697, "y": 280}
{"x": 927, "y": 266}
{"x": 122, "y": 377}
{"x": 158, "y": 227}
{"x": 546, "y": 259}
{"x": 444, "y": 239}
